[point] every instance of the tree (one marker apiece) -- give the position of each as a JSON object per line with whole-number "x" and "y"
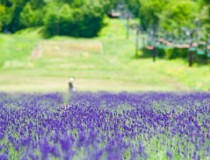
{"x": 5, "y": 17}
{"x": 61, "y": 17}
{"x": 179, "y": 14}
{"x": 76, "y": 19}
{"x": 14, "y": 11}
{"x": 2, "y": 13}
{"x": 30, "y": 16}
{"x": 149, "y": 12}
{"x": 204, "y": 15}
{"x": 134, "y": 6}
{"x": 27, "y": 16}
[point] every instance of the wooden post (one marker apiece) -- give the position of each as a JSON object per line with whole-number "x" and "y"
{"x": 208, "y": 43}
{"x": 137, "y": 41}
{"x": 190, "y": 56}
{"x": 128, "y": 27}
{"x": 154, "y": 53}
{"x": 154, "y": 48}
{"x": 143, "y": 45}
{"x": 208, "y": 47}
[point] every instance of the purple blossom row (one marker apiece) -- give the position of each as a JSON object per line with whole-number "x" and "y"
{"x": 105, "y": 126}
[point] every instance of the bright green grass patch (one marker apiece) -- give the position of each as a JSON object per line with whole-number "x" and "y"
{"x": 114, "y": 69}
{"x": 15, "y": 47}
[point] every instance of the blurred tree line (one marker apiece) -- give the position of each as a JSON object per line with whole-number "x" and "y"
{"x": 84, "y": 18}
{"x": 171, "y": 15}
{"x": 80, "y": 18}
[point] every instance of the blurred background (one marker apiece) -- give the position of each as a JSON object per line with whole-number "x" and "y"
{"x": 112, "y": 45}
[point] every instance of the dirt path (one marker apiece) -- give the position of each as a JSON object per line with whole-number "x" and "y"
{"x": 37, "y": 52}
{"x": 66, "y": 48}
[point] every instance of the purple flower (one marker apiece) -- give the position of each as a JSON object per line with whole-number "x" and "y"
{"x": 98, "y": 154}
{"x": 25, "y": 141}
{"x": 54, "y": 151}
{"x": 1, "y": 136}
{"x": 66, "y": 142}
{"x": 97, "y": 120}
{"x": 45, "y": 149}
{"x": 169, "y": 154}
{"x": 33, "y": 157}
{"x": 141, "y": 148}
{"x": 3, "y": 157}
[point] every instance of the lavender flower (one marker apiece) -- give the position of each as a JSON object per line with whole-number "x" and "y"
{"x": 104, "y": 125}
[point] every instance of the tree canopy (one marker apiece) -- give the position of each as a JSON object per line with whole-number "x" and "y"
{"x": 84, "y": 18}
{"x": 170, "y": 15}
{"x": 58, "y": 17}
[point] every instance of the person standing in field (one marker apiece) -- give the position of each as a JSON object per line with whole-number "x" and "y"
{"x": 71, "y": 85}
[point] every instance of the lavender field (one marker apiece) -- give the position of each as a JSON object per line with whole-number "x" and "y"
{"x": 108, "y": 126}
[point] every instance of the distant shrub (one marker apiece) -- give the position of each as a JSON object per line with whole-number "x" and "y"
{"x": 173, "y": 53}
{"x": 85, "y": 21}
{"x": 168, "y": 53}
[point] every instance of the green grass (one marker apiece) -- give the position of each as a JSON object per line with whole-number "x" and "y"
{"x": 115, "y": 69}
{"x": 16, "y": 47}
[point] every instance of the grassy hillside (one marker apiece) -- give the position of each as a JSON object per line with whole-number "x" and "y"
{"x": 103, "y": 63}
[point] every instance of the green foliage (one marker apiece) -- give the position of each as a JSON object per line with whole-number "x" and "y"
{"x": 2, "y": 12}
{"x": 85, "y": 17}
{"x": 57, "y": 23}
{"x": 150, "y": 11}
{"x": 168, "y": 53}
{"x": 207, "y": 1}
{"x": 178, "y": 14}
{"x": 5, "y": 16}
{"x": 59, "y": 17}
{"x": 204, "y": 15}
{"x": 31, "y": 13}
{"x": 27, "y": 16}
{"x": 134, "y": 6}
{"x": 83, "y": 21}
{"x": 14, "y": 11}
{"x": 173, "y": 14}
{"x": 171, "y": 53}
